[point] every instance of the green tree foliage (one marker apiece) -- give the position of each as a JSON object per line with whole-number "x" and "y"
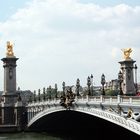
{"x": 111, "y": 92}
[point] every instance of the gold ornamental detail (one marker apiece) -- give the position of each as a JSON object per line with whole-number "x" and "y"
{"x": 9, "y": 52}
{"x": 126, "y": 53}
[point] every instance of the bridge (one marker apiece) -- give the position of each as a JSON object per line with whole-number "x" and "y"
{"x": 122, "y": 110}
{"x": 119, "y": 110}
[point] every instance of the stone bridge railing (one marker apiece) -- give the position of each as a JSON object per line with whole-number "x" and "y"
{"x": 110, "y": 99}
{"x": 124, "y": 103}
{"x": 101, "y": 99}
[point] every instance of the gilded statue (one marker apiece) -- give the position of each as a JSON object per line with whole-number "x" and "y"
{"x": 126, "y": 53}
{"x": 9, "y": 49}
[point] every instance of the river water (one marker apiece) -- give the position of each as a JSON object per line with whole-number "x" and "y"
{"x": 31, "y": 136}
{"x": 46, "y": 136}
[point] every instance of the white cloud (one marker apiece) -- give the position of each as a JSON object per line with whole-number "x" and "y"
{"x": 115, "y": 52}
{"x": 63, "y": 40}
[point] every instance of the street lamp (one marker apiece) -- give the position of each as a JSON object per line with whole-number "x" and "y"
{"x": 136, "y": 86}
{"x": 63, "y": 86}
{"x": 88, "y": 84}
{"x": 39, "y": 98}
{"x": 91, "y": 79}
{"x": 120, "y": 80}
{"x": 77, "y": 86}
{"x": 49, "y": 92}
{"x": 55, "y": 90}
{"x": 44, "y": 94}
{"x": 103, "y": 83}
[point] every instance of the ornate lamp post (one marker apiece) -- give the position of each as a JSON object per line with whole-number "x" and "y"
{"x": 49, "y": 91}
{"x": 88, "y": 84}
{"x": 55, "y": 90}
{"x": 136, "y": 86}
{"x": 120, "y": 80}
{"x": 103, "y": 83}
{"x": 63, "y": 86}
{"x": 91, "y": 79}
{"x": 77, "y": 86}
{"x": 39, "y": 98}
{"x": 44, "y": 94}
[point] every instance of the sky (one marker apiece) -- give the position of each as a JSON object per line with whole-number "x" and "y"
{"x": 62, "y": 40}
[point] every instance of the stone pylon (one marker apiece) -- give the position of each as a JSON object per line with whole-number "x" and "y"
{"x": 9, "y": 95}
{"x": 127, "y": 68}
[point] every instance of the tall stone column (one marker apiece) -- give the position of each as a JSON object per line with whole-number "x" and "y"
{"x": 9, "y": 94}
{"x": 128, "y": 85}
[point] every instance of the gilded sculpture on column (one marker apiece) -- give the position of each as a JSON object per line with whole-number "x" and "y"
{"x": 9, "y": 49}
{"x": 126, "y": 53}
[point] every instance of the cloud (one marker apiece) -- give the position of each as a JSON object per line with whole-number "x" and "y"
{"x": 64, "y": 40}
{"x": 114, "y": 52}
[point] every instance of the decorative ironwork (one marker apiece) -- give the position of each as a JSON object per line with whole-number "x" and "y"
{"x": 67, "y": 99}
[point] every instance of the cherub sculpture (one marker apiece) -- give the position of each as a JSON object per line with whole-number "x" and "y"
{"x": 126, "y": 53}
{"x": 9, "y": 49}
